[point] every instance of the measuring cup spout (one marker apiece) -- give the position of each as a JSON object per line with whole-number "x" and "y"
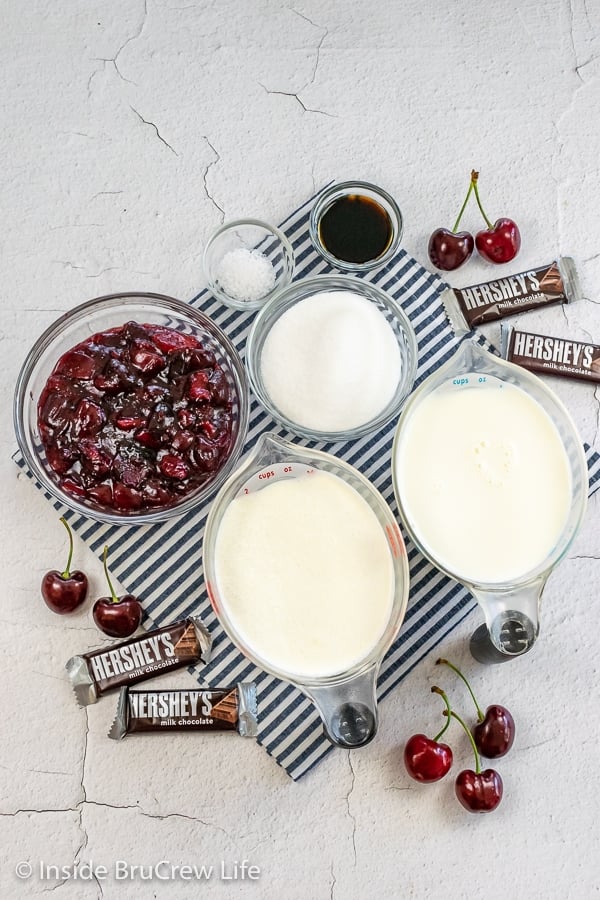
{"x": 511, "y": 622}
{"x": 348, "y": 709}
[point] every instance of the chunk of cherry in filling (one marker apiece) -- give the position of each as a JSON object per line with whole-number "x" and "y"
{"x": 136, "y": 417}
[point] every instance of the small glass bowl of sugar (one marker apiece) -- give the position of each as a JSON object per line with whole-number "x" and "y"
{"x": 332, "y": 358}
{"x": 246, "y": 262}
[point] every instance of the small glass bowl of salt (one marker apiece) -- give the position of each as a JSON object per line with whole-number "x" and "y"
{"x": 246, "y": 261}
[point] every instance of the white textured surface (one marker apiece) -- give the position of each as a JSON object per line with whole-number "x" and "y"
{"x": 129, "y": 132}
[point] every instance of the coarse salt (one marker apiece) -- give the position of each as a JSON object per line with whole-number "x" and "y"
{"x": 245, "y": 275}
{"x": 331, "y": 362}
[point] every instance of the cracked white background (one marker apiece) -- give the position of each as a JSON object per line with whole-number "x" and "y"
{"x": 132, "y": 130}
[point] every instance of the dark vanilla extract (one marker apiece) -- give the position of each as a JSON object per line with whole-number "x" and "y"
{"x": 355, "y": 229}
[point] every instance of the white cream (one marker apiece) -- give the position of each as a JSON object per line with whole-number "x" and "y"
{"x": 305, "y": 574}
{"x": 484, "y": 480}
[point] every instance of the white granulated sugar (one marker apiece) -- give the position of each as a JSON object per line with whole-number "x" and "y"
{"x": 331, "y": 362}
{"x": 245, "y": 274}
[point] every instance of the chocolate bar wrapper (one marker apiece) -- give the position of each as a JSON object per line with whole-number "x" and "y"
{"x": 201, "y": 709}
{"x": 511, "y": 295}
{"x": 145, "y": 656}
{"x": 546, "y": 355}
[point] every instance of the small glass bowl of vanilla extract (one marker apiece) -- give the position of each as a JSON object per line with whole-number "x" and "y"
{"x": 355, "y": 226}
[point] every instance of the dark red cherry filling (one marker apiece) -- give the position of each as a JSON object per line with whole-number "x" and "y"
{"x": 136, "y": 417}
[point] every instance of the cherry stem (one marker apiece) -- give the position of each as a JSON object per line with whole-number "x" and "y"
{"x": 445, "y": 662}
{"x": 67, "y": 573}
{"x": 462, "y": 209}
{"x": 114, "y": 597}
{"x": 470, "y": 736}
{"x": 474, "y": 177}
{"x": 447, "y": 711}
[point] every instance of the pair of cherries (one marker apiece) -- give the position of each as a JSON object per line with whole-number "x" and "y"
{"x": 428, "y": 760}
{"x": 498, "y": 243}
{"x": 65, "y": 591}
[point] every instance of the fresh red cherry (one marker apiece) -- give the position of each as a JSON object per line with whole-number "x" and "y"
{"x": 117, "y": 616}
{"x": 495, "y": 732}
{"x": 427, "y": 760}
{"x": 450, "y": 249}
{"x": 479, "y": 792}
{"x": 65, "y": 591}
{"x": 494, "y": 735}
{"x": 500, "y": 242}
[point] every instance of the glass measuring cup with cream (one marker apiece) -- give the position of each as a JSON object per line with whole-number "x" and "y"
{"x": 306, "y": 570}
{"x": 491, "y": 482}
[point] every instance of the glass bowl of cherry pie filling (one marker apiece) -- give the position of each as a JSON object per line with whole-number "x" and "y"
{"x": 132, "y": 408}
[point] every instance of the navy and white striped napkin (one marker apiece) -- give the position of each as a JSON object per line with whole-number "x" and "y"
{"x": 162, "y": 563}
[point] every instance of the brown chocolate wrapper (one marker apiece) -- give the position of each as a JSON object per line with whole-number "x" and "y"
{"x": 510, "y": 295}
{"x": 546, "y": 355}
{"x": 137, "y": 659}
{"x": 200, "y": 709}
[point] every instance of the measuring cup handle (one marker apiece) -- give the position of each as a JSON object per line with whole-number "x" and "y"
{"x": 511, "y": 621}
{"x": 511, "y": 634}
{"x": 483, "y": 648}
{"x": 352, "y": 725}
{"x": 348, "y": 709}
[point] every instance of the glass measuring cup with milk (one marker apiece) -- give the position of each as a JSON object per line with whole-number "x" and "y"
{"x": 491, "y": 483}
{"x": 306, "y": 570}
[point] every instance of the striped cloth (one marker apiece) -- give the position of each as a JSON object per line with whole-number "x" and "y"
{"x": 162, "y": 563}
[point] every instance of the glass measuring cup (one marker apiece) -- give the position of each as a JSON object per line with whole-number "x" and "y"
{"x": 511, "y": 609}
{"x": 346, "y": 700}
